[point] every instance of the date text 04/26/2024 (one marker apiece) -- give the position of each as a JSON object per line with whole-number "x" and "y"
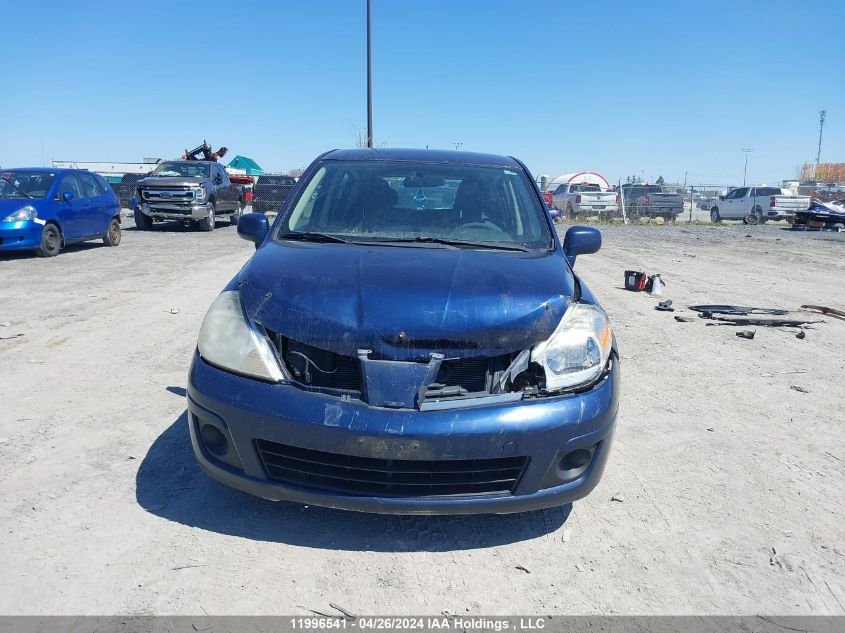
{"x": 427, "y": 623}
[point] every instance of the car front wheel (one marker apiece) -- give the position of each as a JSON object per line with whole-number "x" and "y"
{"x": 51, "y": 241}
{"x": 208, "y": 222}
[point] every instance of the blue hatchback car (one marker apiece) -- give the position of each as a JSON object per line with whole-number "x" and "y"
{"x": 45, "y": 209}
{"x": 409, "y": 337}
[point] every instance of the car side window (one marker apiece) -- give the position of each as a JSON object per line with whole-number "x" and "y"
{"x": 69, "y": 183}
{"x": 90, "y": 186}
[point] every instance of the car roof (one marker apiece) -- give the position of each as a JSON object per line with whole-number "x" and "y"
{"x": 55, "y": 170}
{"x": 422, "y": 155}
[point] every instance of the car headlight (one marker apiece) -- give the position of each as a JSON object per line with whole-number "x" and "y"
{"x": 578, "y": 350}
{"x": 230, "y": 342}
{"x": 22, "y": 215}
{"x": 199, "y": 194}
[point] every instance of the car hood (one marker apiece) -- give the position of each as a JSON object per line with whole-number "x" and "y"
{"x": 404, "y": 303}
{"x": 10, "y": 205}
{"x": 171, "y": 181}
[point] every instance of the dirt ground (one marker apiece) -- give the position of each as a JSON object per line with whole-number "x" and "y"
{"x": 723, "y": 494}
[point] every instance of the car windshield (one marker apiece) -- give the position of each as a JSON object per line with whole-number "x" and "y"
{"x": 187, "y": 169}
{"x": 365, "y": 201}
{"x": 25, "y": 184}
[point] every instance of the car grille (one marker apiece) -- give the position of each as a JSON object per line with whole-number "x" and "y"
{"x": 366, "y": 476}
{"x": 168, "y": 195}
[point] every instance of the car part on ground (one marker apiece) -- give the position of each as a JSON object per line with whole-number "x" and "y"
{"x": 761, "y": 322}
{"x": 838, "y": 314}
{"x": 738, "y": 310}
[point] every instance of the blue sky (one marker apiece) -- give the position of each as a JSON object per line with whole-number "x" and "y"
{"x": 651, "y": 88}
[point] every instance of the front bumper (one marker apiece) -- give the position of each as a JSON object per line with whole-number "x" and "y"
{"x": 174, "y": 211}
{"x": 541, "y": 430}
{"x": 24, "y": 235}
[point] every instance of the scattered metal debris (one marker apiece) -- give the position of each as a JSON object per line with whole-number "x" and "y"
{"x": 521, "y": 568}
{"x": 174, "y": 310}
{"x": 617, "y": 497}
{"x": 839, "y": 314}
{"x": 736, "y": 310}
{"x": 684, "y": 319}
{"x": 798, "y": 389}
{"x": 6, "y": 337}
{"x": 749, "y": 334}
{"x": 665, "y": 306}
{"x": 760, "y": 322}
{"x": 346, "y": 613}
{"x": 802, "y": 334}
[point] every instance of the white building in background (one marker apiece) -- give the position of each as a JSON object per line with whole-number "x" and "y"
{"x": 581, "y": 178}
{"x": 111, "y": 171}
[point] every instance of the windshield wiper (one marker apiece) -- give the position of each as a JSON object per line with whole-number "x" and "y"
{"x": 18, "y": 189}
{"x": 425, "y": 239}
{"x": 309, "y": 236}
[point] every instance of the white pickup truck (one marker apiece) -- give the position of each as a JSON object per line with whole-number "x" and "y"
{"x": 755, "y": 205}
{"x": 576, "y": 199}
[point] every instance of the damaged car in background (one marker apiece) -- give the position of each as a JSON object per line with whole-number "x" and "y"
{"x": 409, "y": 337}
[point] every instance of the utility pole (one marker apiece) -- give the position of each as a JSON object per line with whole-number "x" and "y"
{"x": 457, "y": 145}
{"x": 746, "y": 151}
{"x": 369, "y": 77}
{"x": 822, "y": 116}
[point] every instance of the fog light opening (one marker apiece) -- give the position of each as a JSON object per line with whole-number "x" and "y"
{"x": 575, "y": 463}
{"x": 214, "y": 440}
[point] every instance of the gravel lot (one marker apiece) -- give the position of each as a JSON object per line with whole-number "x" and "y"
{"x": 724, "y": 491}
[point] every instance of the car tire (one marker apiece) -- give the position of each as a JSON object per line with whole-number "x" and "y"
{"x": 761, "y": 219}
{"x": 143, "y": 222}
{"x": 51, "y": 241}
{"x": 236, "y": 214}
{"x": 209, "y": 221}
{"x": 715, "y": 218}
{"x": 752, "y": 219}
{"x": 112, "y": 237}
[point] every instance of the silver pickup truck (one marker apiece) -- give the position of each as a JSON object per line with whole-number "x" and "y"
{"x": 755, "y": 205}
{"x": 193, "y": 191}
{"x": 642, "y": 200}
{"x": 584, "y": 199}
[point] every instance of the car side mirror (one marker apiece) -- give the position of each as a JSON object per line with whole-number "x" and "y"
{"x": 253, "y": 227}
{"x": 581, "y": 240}
{"x": 67, "y": 196}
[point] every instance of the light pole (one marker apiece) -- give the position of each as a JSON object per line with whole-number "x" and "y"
{"x": 746, "y": 151}
{"x": 369, "y": 80}
{"x": 457, "y": 145}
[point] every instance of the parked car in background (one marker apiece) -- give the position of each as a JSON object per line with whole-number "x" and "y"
{"x": 642, "y": 200}
{"x": 584, "y": 199}
{"x": 270, "y": 191}
{"x": 756, "y": 205}
{"x": 45, "y": 209}
{"x": 125, "y": 189}
{"x": 383, "y": 350}
{"x": 193, "y": 191}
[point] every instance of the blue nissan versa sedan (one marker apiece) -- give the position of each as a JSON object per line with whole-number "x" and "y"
{"x": 45, "y": 209}
{"x": 409, "y": 337}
